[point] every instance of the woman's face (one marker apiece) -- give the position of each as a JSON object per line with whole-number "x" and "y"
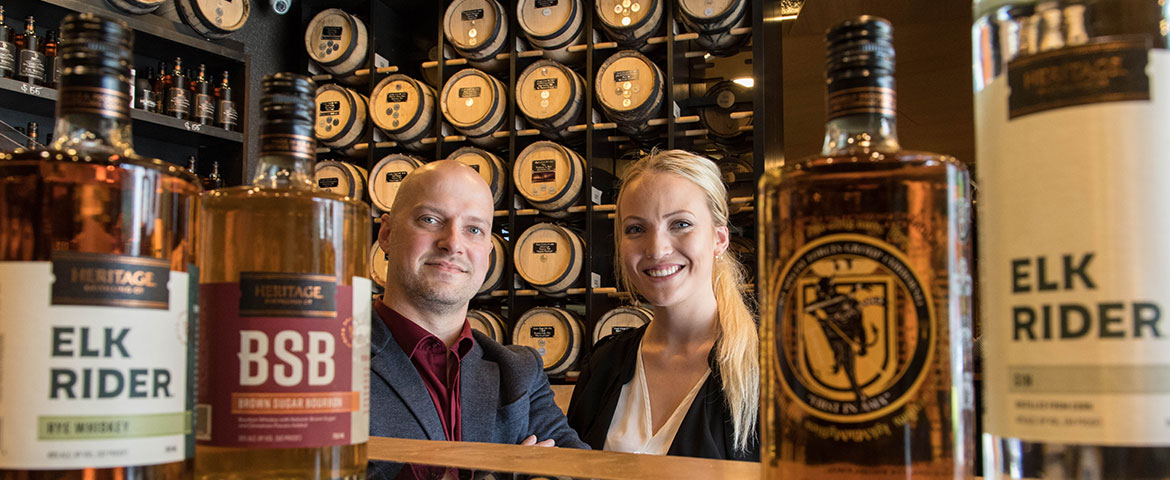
{"x": 668, "y": 239}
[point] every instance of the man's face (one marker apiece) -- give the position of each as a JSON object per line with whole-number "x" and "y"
{"x": 438, "y": 239}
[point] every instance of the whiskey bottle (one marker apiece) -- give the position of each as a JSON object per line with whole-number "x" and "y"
{"x": 178, "y": 103}
{"x": 263, "y": 290}
{"x": 226, "y": 116}
{"x": 204, "y": 103}
{"x": 52, "y": 60}
{"x": 1069, "y": 104}
{"x": 866, "y": 290}
{"x": 34, "y": 135}
{"x": 147, "y": 95}
{"x": 96, "y": 285}
{"x": 193, "y": 165}
{"x": 161, "y": 86}
{"x": 7, "y": 48}
{"x": 213, "y": 180}
{"x": 31, "y": 64}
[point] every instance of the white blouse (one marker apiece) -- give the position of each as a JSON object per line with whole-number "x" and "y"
{"x": 631, "y": 429}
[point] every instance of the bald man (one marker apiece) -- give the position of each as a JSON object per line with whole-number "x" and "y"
{"x": 433, "y": 377}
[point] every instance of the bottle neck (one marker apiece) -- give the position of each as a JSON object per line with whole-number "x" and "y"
{"x": 287, "y": 153}
{"x": 93, "y": 113}
{"x": 862, "y": 115}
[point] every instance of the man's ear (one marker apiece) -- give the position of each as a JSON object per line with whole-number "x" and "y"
{"x": 384, "y": 232}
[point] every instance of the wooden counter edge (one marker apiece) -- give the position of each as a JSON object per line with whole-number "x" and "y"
{"x": 556, "y": 461}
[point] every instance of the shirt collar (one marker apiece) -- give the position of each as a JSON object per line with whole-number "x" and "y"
{"x": 411, "y": 337}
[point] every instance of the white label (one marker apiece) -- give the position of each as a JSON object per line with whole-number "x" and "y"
{"x": 136, "y": 358}
{"x": 1075, "y": 272}
{"x": 360, "y": 421}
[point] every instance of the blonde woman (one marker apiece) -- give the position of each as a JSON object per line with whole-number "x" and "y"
{"x": 687, "y": 383}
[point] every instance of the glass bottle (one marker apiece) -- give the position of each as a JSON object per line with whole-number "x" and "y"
{"x": 96, "y": 285}
{"x": 866, "y": 290}
{"x": 52, "y": 60}
{"x": 213, "y": 180}
{"x": 34, "y": 135}
{"x": 192, "y": 165}
{"x": 8, "y": 53}
{"x": 204, "y": 104}
{"x": 289, "y": 264}
{"x": 226, "y": 116}
{"x": 178, "y": 96}
{"x": 147, "y": 96}
{"x": 1069, "y": 109}
{"x": 31, "y": 64}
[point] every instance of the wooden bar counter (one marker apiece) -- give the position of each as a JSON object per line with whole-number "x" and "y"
{"x": 556, "y": 462}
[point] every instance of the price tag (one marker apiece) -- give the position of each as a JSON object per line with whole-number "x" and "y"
{"x": 193, "y": 126}
{"x": 31, "y": 89}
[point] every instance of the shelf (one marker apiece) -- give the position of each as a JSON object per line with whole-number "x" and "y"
{"x": 42, "y": 101}
{"x": 682, "y": 37}
{"x": 452, "y": 62}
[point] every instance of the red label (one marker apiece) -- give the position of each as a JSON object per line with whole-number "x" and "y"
{"x": 275, "y": 382}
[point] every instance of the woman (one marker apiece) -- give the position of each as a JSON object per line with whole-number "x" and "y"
{"x": 687, "y": 383}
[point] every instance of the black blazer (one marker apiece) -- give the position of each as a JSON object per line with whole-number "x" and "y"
{"x": 705, "y": 432}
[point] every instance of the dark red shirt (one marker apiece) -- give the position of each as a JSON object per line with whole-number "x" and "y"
{"x": 437, "y": 364}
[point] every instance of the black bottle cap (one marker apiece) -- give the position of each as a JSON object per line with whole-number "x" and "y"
{"x": 289, "y": 96}
{"x": 865, "y": 43}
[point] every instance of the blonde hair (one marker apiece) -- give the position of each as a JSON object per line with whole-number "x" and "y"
{"x": 737, "y": 344}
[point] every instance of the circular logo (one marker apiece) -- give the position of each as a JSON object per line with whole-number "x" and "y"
{"x": 855, "y": 328}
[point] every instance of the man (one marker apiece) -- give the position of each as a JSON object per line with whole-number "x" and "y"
{"x": 432, "y": 377}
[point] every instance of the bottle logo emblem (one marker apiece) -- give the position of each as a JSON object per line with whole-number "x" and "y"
{"x": 855, "y": 328}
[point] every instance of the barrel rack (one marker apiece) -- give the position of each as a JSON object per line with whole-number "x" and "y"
{"x": 405, "y": 35}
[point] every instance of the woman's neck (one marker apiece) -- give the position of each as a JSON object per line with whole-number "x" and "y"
{"x": 692, "y": 325}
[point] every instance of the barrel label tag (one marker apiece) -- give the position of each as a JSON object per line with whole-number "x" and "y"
{"x": 544, "y": 171}
{"x": 397, "y": 97}
{"x": 329, "y": 109}
{"x": 264, "y": 294}
{"x": 544, "y": 84}
{"x": 543, "y": 332}
{"x": 99, "y": 280}
{"x": 545, "y": 3}
{"x": 625, "y": 75}
{"x": 1079, "y": 75}
{"x": 617, "y": 330}
{"x": 329, "y": 182}
{"x": 469, "y": 15}
{"x": 544, "y": 247}
{"x": 469, "y": 92}
{"x": 395, "y": 177}
{"x": 331, "y": 33}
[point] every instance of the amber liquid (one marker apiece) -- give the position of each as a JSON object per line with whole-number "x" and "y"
{"x": 907, "y": 200}
{"x": 97, "y": 205}
{"x": 270, "y": 230}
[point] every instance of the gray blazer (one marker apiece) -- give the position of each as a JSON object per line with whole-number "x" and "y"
{"x": 505, "y": 397}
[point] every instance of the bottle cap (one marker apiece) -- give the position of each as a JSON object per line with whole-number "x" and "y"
{"x": 862, "y": 43}
{"x": 289, "y": 96}
{"x": 88, "y": 40}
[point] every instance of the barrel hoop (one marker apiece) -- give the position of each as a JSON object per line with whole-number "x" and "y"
{"x": 196, "y": 13}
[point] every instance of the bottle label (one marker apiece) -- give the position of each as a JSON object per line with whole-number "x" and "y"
{"x": 1073, "y": 222}
{"x": 94, "y": 100}
{"x": 32, "y": 64}
{"x": 288, "y": 362}
{"x": 226, "y": 115}
{"x": 288, "y": 144}
{"x": 179, "y": 101}
{"x": 96, "y": 370}
{"x": 857, "y": 330}
{"x": 204, "y": 107}
{"x": 58, "y": 66}
{"x": 7, "y": 56}
{"x": 149, "y": 101}
{"x": 868, "y": 99}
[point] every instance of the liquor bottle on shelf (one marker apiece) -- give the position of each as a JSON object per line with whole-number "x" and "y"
{"x": 204, "y": 102}
{"x": 147, "y": 95}
{"x": 178, "y": 96}
{"x": 226, "y": 116}
{"x": 161, "y": 87}
{"x": 8, "y": 53}
{"x": 258, "y": 295}
{"x": 31, "y": 64}
{"x": 113, "y": 269}
{"x": 866, "y": 304}
{"x": 213, "y": 180}
{"x": 52, "y": 60}
{"x": 34, "y": 135}
{"x": 1069, "y": 108}
{"x": 193, "y": 165}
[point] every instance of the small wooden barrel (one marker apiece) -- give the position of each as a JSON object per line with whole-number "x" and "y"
{"x": 550, "y": 176}
{"x": 341, "y": 116}
{"x": 210, "y": 18}
{"x": 551, "y": 96}
{"x": 378, "y": 262}
{"x": 387, "y": 176}
{"x": 496, "y": 262}
{"x": 552, "y": 25}
{"x": 555, "y": 333}
{"x": 476, "y": 104}
{"x": 478, "y": 30}
{"x": 736, "y": 168}
{"x": 631, "y": 91}
{"x": 342, "y": 178}
{"x": 549, "y": 257}
{"x": 620, "y": 319}
{"x": 337, "y": 41}
{"x": 404, "y": 108}
{"x": 489, "y": 166}
{"x": 723, "y": 97}
{"x": 488, "y": 323}
{"x": 713, "y": 20}
{"x": 630, "y": 23}
{"x": 135, "y": 7}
